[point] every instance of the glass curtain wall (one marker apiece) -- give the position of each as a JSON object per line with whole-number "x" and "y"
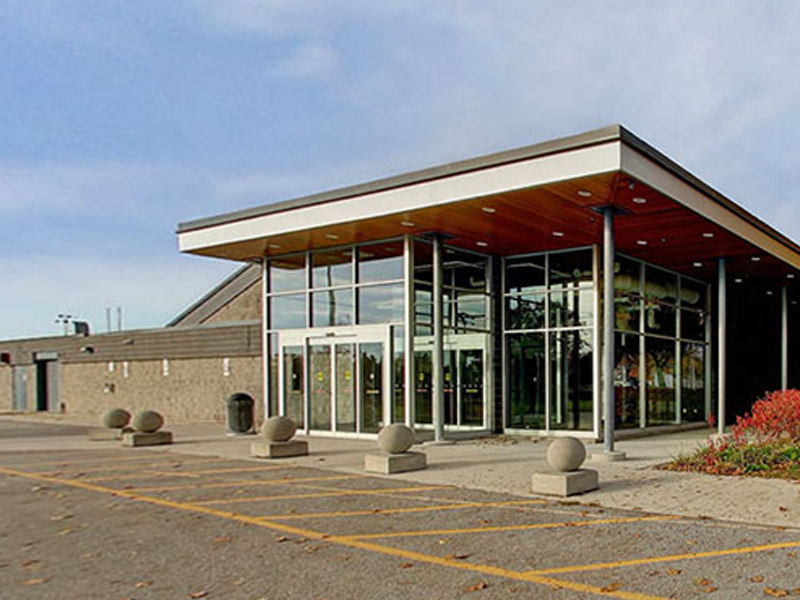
{"x": 661, "y": 344}
{"x": 466, "y": 324}
{"x": 337, "y": 290}
{"x": 549, "y": 331}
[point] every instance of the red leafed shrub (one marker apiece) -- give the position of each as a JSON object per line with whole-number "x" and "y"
{"x": 774, "y": 417}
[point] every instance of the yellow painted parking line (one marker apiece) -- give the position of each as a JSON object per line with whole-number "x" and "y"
{"x": 82, "y": 459}
{"x": 659, "y": 559}
{"x": 392, "y": 511}
{"x": 521, "y": 527}
{"x": 240, "y": 483}
{"x": 147, "y": 473}
{"x": 350, "y": 543}
{"x": 148, "y": 462}
{"x": 319, "y": 495}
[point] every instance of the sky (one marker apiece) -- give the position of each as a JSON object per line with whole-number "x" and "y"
{"x": 120, "y": 119}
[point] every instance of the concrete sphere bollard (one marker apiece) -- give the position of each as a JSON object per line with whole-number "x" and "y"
{"x": 116, "y": 418}
{"x": 395, "y": 439}
{"x": 566, "y": 454}
{"x": 279, "y": 429}
{"x": 148, "y": 421}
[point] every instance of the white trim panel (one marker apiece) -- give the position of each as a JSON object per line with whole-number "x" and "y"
{"x": 515, "y": 176}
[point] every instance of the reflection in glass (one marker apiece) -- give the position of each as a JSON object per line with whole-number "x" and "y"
{"x": 423, "y": 261}
{"x": 659, "y": 318}
{"x": 693, "y": 381}
{"x": 693, "y": 325}
{"x": 293, "y": 384}
{"x": 287, "y": 273}
{"x": 287, "y": 312}
{"x": 471, "y": 385}
{"x": 525, "y": 274}
{"x": 572, "y": 308}
{"x": 574, "y": 268}
{"x": 660, "y": 284}
{"x": 627, "y": 299}
{"x": 471, "y": 311}
{"x": 320, "y": 383}
{"x": 333, "y": 307}
{"x": 450, "y": 387}
{"x": 525, "y": 312}
{"x": 571, "y": 397}
{"x": 274, "y": 384}
{"x": 464, "y": 270}
{"x": 423, "y": 387}
{"x": 371, "y": 363}
{"x": 693, "y": 294}
{"x": 398, "y": 375}
{"x": 627, "y": 309}
{"x": 332, "y": 267}
{"x": 526, "y": 381}
{"x": 345, "y": 388}
{"x": 626, "y": 379}
{"x": 381, "y": 303}
{"x": 660, "y": 380}
{"x": 380, "y": 262}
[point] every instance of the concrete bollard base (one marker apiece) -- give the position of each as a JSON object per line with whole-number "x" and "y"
{"x": 388, "y": 464}
{"x": 279, "y": 449}
{"x": 555, "y": 483}
{"x": 140, "y": 438}
{"x": 105, "y": 434}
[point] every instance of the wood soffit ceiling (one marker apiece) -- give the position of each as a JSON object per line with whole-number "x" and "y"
{"x": 559, "y": 215}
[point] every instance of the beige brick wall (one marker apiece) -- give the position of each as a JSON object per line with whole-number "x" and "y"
{"x": 194, "y": 390}
{"x": 6, "y": 388}
{"x": 245, "y": 307}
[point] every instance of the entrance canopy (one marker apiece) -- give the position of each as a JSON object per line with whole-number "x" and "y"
{"x": 536, "y": 198}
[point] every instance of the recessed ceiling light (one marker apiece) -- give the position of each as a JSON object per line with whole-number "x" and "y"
{"x": 738, "y": 280}
{"x": 790, "y": 276}
{"x": 755, "y": 258}
{"x": 558, "y": 233}
{"x": 482, "y": 244}
{"x": 489, "y": 209}
{"x": 663, "y": 240}
{"x": 794, "y": 301}
{"x": 697, "y": 264}
{"x": 769, "y": 292}
{"x": 407, "y": 224}
{"x": 584, "y": 193}
{"x": 642, "y": 242}
{"x": 331, "y": 236}
{"x": 708, "y": 235}
{"x": 639, "y": 200}
{"x": 274, "y": 246}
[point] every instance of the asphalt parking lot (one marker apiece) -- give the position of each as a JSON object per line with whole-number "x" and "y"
{"x": 116, "y": 524}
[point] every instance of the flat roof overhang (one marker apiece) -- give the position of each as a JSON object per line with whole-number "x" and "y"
{"x": 540, "y": 197}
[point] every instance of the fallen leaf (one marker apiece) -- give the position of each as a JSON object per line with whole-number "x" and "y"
{"x": 35, "y": 581}
{"x": 710, "y": 589}
{"x": 482, "y": 585}
{"x": 444, "y": 540}
{"x": 223, "y": 539}
{"x": 406, "y": 565}
{"x": 30, "y": 563}
{"x": 239, "y": 581}
{"x": 702, "y": 582}
{"x": 90, "y": 555}
{"x": 457, "y": 556}
{"x": 782, "y": 508}
{"x": 60, "y": 517}
{"x": 776, "y": 592}
{"x": 144, "y": 584}
{"x": 674, "y": 572}
{"x": 757, "y": 578}
{"x": 200, "y": 594}
{"x": 792, "y": 552}
{"x": 612, "y": 587}
{"x": 65, "y": 531}
{"x": 282, "y": 538}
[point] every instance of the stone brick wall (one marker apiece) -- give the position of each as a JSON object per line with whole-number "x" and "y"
{"x": 193, "y": 390}
{"x": 6, "y": 392}
{"x": 245, "y": 307}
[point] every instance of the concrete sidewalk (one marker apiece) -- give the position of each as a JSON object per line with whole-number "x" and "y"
{"x": 502, "y": 464}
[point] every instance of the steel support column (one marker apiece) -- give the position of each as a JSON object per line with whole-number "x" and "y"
{"x": 784, "y": 338}
{"x": 437, "y": 360}
{"x": 721, "y": 345}
{"x": 408, "y": 342}
{"x": 608, "y": 329}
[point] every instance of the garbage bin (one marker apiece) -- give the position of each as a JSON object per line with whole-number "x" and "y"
{"x": 240, "y": 413}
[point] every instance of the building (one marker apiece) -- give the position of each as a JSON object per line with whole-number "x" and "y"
{"x": 185, "y": 370}
{"x": 548, "y": 289}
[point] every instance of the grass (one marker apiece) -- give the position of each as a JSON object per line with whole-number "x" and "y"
{"x": 772, "y": 459}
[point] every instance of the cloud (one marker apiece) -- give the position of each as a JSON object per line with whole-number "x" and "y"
{"x": 314, "y": 61}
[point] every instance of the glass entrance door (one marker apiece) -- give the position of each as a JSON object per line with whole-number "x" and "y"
{"x": 335, "y": 383}
{"x": 465, "y": 373}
